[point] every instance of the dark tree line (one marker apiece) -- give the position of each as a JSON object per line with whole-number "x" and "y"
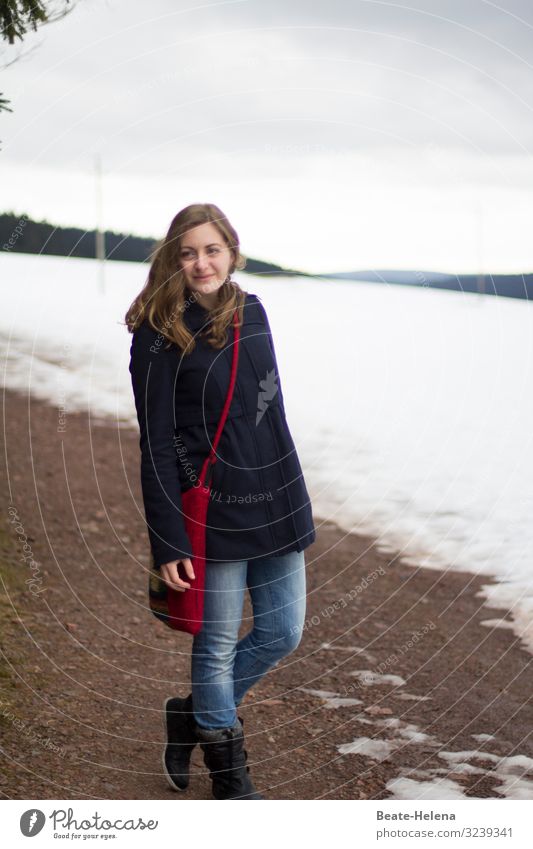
{"x": 20, "y": 234}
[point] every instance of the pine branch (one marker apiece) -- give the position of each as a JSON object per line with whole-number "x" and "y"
{"x": 3, "y": 103}
{"x": 18, "y": 16}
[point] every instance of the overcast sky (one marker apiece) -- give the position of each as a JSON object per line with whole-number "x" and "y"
{"x": 336, "y": 135}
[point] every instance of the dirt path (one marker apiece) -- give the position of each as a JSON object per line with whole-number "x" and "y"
{"x": 86, "y": 666}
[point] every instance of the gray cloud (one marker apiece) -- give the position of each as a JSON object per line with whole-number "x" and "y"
{"x": 171, "y": 87}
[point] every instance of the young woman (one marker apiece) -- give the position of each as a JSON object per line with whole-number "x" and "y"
{"x": 259, "y": 518}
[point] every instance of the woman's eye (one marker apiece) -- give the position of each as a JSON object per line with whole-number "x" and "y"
{"x": 187, "y": 254}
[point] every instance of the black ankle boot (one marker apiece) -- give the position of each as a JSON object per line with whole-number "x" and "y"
{"x": 225, "y": 757}
{"x": 180, "y": 741}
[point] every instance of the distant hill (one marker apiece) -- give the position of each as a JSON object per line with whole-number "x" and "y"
{"x": 407, "y": 278}
{"x": 506, "y": 285}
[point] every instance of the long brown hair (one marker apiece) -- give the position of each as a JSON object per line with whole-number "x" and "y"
{"x": 164, "y": 297}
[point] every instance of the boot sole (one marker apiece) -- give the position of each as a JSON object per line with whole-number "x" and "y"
{"x": 167, "y": 774}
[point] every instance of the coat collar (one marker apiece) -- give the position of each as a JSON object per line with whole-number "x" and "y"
{"x": 195, "y": 316}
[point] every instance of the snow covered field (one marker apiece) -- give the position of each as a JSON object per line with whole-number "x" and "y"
{"x": 411, "y": 409}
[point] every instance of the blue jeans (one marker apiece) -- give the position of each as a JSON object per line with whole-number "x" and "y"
{"x": 222, "y": 669}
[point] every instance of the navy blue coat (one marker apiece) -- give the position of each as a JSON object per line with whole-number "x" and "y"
{"x": 259, "y": 504}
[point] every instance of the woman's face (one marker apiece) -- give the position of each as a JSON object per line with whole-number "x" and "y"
{"x": 205, "y": 260}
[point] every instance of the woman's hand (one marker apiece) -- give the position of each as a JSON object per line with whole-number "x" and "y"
{"x": 169, "y": 574}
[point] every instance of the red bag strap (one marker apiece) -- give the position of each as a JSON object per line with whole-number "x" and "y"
{"x": 211, "y": 460}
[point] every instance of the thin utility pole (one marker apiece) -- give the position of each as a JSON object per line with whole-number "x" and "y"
{"x": 100, "y": 232}
{"x": 480, "y": 250}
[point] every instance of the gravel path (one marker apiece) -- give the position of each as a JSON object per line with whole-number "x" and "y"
{"x": 86, "y": 667}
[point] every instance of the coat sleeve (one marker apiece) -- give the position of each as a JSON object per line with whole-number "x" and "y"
{"x": 153, "y": 379}
{"x": 271, "y": 343}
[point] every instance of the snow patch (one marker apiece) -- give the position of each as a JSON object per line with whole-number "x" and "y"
{"x": 369, "y": 678}
{"x": 441, "y": 788}
{"x": 411, "y": 697}
{"x": 332, "y": 700}
{"x": 512, "y": 772}
{"x": 377, "y": 750}
{"x": 406, "y": 730}
{"x": 498, "y": 623}
{"x": 351, "y": 649}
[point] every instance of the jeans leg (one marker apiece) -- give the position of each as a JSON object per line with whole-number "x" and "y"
{"x": 214, "y": 647}
{"x": 277, "y": 588}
